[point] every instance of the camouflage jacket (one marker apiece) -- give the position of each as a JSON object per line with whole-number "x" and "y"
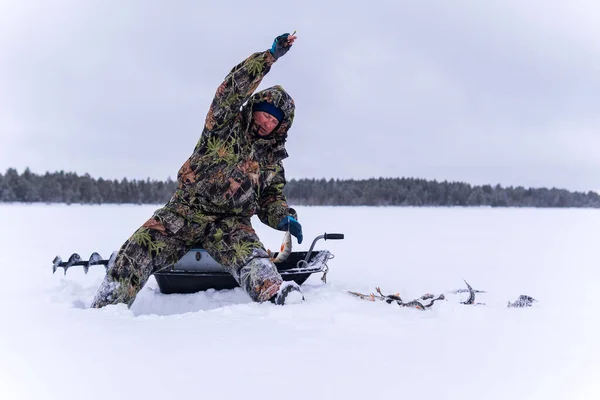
{"x": 233, "y": 171}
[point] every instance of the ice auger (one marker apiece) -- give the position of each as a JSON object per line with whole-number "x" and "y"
{"x": 75, "y": 260}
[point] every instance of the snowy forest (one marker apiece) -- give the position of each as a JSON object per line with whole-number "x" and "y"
{"x": 69, "y": 187}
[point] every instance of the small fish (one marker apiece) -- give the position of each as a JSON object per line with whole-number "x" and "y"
{"x": 471, "y": 299}
{"x": 389, "y": 298}
{"x": 522, "y": 301}
{"x": 395, "y": 298}
{"x": 285, "y": 250}
{"x": 414, "y": 304}
{"x": 370, "y": 297}
{"x": 427, "y": 296}
{"x": 466, "y": 291}
{"x": 440, "y": 297}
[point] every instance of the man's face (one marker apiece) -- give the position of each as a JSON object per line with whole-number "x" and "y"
{"x": 265, "y": 122}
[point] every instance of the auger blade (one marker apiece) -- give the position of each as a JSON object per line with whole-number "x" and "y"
{"x": 111, "y": 260}
{"x": 57, "y": 260}
{"x": 72, "y": 260}
{"x": 75, "y": 260}
{"x": 95, "y": 258}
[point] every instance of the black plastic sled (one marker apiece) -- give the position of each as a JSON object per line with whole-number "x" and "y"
{"x": 197, "y": 270}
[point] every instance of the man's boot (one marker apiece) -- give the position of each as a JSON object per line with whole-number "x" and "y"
{"x": 288, "y": 293}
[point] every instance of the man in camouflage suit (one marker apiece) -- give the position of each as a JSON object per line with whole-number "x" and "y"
{"x": 234, "y": 173}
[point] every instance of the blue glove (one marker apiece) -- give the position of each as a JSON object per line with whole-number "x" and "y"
{"x": 280, "y": 45}
{"x": 290, "y": 223}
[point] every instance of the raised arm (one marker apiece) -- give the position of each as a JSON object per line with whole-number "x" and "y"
{"x": 242, "y": 81}
{"x": 237, "y": 87}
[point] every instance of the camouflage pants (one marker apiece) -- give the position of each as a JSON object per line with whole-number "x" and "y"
{"x": 166, "y": 237}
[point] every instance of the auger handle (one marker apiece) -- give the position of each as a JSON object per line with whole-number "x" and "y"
{"x": 325, "y": 236}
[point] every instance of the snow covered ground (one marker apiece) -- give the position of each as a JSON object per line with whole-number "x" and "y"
{"x": 333, "y": 346}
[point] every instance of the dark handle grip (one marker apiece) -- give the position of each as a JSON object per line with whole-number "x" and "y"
{"x": 333, "y": 236}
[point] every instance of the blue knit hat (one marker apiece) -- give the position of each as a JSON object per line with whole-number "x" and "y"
{"x": 268, "y": 108}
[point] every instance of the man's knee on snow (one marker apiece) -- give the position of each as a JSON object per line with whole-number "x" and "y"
{"x": 260, "y": 279}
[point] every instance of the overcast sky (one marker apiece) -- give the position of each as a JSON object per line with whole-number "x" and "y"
{"x": 477, "y": 91}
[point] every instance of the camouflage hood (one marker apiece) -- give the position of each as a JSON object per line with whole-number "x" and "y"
{"x": 277, "y": 96}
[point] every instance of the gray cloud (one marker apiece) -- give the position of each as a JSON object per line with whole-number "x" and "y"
{"x": 494, "y": 92}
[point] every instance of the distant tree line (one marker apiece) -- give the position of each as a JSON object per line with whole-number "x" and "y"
{"x": 61, "y": 187}
{"x": 68, "y": 187}
{"x": 421, "y": 192}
